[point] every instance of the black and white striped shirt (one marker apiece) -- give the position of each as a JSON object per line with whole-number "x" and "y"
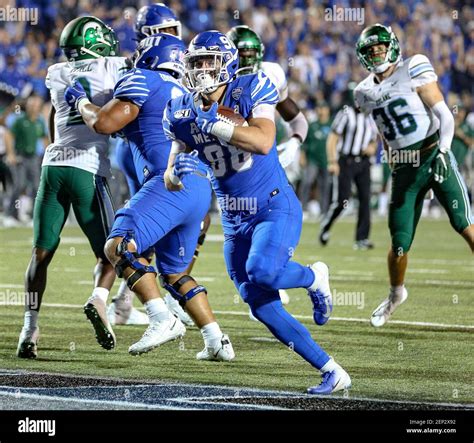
{"x": 356, "y": 131}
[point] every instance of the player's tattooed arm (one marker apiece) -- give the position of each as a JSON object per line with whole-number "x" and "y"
{"x": 172, "y": 182}
{"x": 112, "y": 117}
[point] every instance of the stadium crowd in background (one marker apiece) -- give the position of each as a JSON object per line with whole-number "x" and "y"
{"x": 306, "y": 37}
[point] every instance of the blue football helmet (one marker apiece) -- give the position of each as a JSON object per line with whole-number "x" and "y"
{"x": 153, "y": 19}
{"x": 161, "y": 51}
{"x": 211, "y": 61}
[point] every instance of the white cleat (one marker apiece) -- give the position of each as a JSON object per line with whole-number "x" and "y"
{"x": 28, "y": 343}
{"x": 223, "y": 351}
{"x": 157, "y": 334}
{"x": 128, "y": 316}
{"x": 176, "y": 309}
{"x": 336, "y": 380}
{"x": 383, "y": 312}
{"x": 320, "y": 293}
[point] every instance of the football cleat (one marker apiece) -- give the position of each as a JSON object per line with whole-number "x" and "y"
{"x": 122, "y": 314}
{"x": 320, "y": 293}
{"x": 363, "y": 245}
{"x": 157, "y": 334}
{"x": 383, "y": 311}
{"x": 223, "y": 351}
{"x": 28, "y": 343}
{"x": 177, "y": 310}
{"x": 333, "y": 381}
{"x": 96, "y": 312}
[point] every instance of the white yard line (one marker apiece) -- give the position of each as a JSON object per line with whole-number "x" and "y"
{"x": 85, "y": 401}
{"x": 301, "y": 317}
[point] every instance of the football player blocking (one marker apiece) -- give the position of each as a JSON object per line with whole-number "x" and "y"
{"x": 155, "y": 219}
{"x": 150, "y": 20}
{"x": 411, "y": 115}
{"x": 258, "y": 245}
{"x": 74, "y": 173}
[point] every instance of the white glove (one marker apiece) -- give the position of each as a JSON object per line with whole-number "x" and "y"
{"x": 287, "y": 151}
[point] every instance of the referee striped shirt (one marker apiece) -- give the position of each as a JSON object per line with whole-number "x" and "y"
{"x": 356, "y": 131}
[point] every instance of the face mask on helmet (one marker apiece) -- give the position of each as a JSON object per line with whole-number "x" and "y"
{"x": 204, "y": 71}
{"x": 378, "y": 48}
{"x": 173, "y": 28}
{"x": 248, "y": 61}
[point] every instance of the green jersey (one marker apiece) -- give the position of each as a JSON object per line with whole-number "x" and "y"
{"x": 315, "y": 143}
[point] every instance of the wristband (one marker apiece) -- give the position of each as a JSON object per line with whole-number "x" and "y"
{"x": 81, "y": 103}
{"x": 222, "y": 130}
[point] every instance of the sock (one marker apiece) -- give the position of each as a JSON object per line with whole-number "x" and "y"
{"x": 295, "y": 275}
{"x": 397, "y": 290}
{"x": 290, "y": 332}
{"x": 329, "y": 366}
{"x": 124, "y": 295}
{"x": 211, "y": 333}
{"x": 101, "y": 293}
{"x": 30, "y": 319}
{"x": 157, "y": 310}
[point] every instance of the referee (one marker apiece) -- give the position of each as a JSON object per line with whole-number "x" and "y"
{"x": 350, "y": 144}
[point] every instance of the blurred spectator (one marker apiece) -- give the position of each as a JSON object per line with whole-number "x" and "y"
{"x": 315, "y": 171}
{"x": 27, "y": 130}
{"x": 316, "y": 53}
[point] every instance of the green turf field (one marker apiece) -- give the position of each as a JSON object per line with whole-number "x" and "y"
{"x": 399, "y": 361}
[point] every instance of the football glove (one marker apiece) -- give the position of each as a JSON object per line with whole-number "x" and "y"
{"x": 287, "y": 151}
{"x": 440, "y": 167}
{"x": 185, "y": 164}
{"x": 74, "y": 94}
{"x": 206, "y": 119}
{"x": 209, "y": 123}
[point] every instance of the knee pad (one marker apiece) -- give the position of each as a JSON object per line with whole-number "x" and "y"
{"x": 175, "y": 287}
{"x": 262, "y": 272}
{"x": 130, "y": 260}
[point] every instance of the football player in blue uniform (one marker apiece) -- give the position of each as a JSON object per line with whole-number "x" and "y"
{"x": 261, "y": 215}
{"x": 154, "y": 218}
{"x": 150, "y": 20}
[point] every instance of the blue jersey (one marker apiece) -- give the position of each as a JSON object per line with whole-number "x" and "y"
{"x": 150, "y": 91}
{"x": 236, "y": 173}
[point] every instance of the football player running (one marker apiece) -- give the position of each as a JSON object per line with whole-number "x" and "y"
{"x": 150, "y": 20}
{"x": 263, "y": 224}
{"x": 74, "y": 173}
{"x": 251, "y": 50}
{"x": 155, "y": 219}
{"x": 413, "y": 119}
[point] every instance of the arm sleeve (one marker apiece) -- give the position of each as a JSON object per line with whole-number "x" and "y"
{"x": 132, "y": 87}
{"x": 421, "y": 71}
{"x": 339, "y": 122}
{"x": 446, "y": 125}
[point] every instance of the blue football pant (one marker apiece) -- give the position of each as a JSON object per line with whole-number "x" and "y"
{"x": 124, "y": 157}
{"x": 170, "y": 222}
{"x": 258, "y": 256}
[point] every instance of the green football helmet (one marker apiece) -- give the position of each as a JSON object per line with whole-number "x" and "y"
{"x": 88, "y": 37}
{"x": 250, "y": 48}
{"x": 375, "y": 35}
